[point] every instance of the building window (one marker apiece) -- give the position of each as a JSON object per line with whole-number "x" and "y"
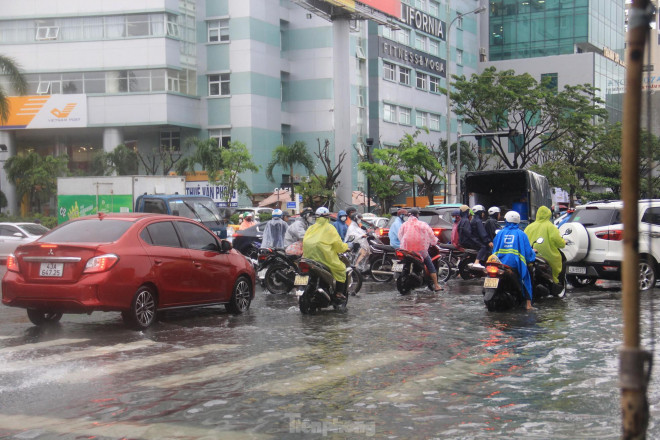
{"x": 404, "y": 75}
{"x": 43, "y": 88}
{"x": 421, "y": 119}
{"x": 218, "y": 30}
{"x": 403, "y": 35}
{"x": 47, "y": 33}
{"x": 389, "y": 71}
{"x": 389, "y": 113}
{"x": 404, "y": 116}
{"x": 434, "y": 8}
{"x": 422, "y": 81}
{"x": 459, "y": 22}
{"x": 171, "y": 26}
{"x": 359, "y": 52}
{"x": 434, "y": 84}
{"x": 222, "y": 136}
{"x": 387, "y": 33}
{"x": 219, "y": 85}
{"x": 459, "y": 57}
{"x": 434, "y": 122}
{"x": 550, "y": 81}
{"x": 420, "y": 42}
{"x": 433, "y": 46}
{"x": 170, "y": 140}
{"x": 420, "y": 5}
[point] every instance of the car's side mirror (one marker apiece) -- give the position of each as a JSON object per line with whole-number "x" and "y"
{"x": 225, "y": 246}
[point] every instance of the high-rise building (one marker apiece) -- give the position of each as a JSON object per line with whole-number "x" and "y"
{"x": 572, "y": 41}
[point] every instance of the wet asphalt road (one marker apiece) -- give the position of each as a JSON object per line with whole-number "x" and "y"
{"x": 417, "y": 367}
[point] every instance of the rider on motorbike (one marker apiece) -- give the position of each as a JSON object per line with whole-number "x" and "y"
{"x": 417, "y": 236}
{"x": 480, "y": 235}
{"x": 492, "y": 225}
{"x": 274, "y": 231}
{"x": 358, "y": 236}
{"x": 295, "y": 233}
{"x": 512, "y": 247}
{"x": 552, "y": 240}
{"x": 341, "y": 224}
{"x": 393, "y": 234}
{"x": 322, "y": 243}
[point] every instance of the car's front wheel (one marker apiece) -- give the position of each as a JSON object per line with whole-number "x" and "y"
{"x": 647, "y": 275}
{"x": 142, "y": 313}
{"x": 41, "y": 317}
{"x": 241, "y": 297}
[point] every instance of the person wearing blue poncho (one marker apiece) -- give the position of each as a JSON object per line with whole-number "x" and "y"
{"x": 341, "y": 225}
{"x": 512, "y": 247}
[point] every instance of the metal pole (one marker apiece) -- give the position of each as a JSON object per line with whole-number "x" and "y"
{"x": 448, "y": 78}
{"x": 448, "y": 108}
{"x": 634, "y": 363}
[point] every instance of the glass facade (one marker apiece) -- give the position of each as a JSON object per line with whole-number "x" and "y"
{"x": 538, "y": 28}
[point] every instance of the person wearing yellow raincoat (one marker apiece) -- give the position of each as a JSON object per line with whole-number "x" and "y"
{"x": 552, "y": 240}
{"x": 322, "y": 243}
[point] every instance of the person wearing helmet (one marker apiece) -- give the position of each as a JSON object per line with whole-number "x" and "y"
{"x": 322, "y": 243}
{"x": 340, "y": 224}
{"x": 466, "y": 238}
{"x": 393, "y": 234}
{"x": 456, "y": 216}
{"x": 492, "y": 225}
{"x": 274, "y": 231}
{"x": 552, "y": 240}
{"x": 417, "y": 236}
{"x": 480, "y": 235}
{"x": 295, "y": 233}
{"x": 247, "y": 221}
{"x": 512, "y": 247}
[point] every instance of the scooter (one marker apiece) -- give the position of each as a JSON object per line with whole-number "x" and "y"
{"x": 277, "y": 269}
{"x": 502, "y": 288}
{"x": 412, "y": 272}
{"x": 319, "y": 286}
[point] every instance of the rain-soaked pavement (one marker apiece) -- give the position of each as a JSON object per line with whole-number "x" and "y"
{"x": 418, "y": 367}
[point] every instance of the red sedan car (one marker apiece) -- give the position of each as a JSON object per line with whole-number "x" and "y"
{"x": 136, "y": 264}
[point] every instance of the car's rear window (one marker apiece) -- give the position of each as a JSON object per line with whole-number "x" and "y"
{"x": 35, "y": 229}
{"x": 89, "y": 231}
{"x": 596, "y": 217}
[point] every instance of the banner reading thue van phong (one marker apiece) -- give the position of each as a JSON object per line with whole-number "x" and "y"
{"x": 46, "y": 111}
{"x": 197, "y": 184}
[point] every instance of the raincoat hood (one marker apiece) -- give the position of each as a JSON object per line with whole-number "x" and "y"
{"x": 543, "y": 213}
{"x": 340, "y": 213}
{"x": 552, "y": 240}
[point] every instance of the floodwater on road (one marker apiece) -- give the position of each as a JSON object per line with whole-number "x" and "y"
{"x": 422, "y": 366}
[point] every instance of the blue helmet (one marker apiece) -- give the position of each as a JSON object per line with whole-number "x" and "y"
{"x": 277, "y": 213}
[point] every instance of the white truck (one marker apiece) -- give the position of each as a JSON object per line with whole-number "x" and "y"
{"x": 79, "y": 196}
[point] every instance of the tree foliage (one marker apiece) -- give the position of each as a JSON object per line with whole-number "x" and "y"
{"x": 540, "y": 117}
{"x": 10, "y": 70}
{"x": 163, "y": 158}
{"x": 35, "y": 176}
{"x": 287, "y": 157}
{"x": 122, "y": 160}
{"x": 332, "y": 169}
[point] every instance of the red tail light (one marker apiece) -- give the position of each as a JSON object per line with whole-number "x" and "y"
{"x": 399, "y": 255}
{"x": 437, "y": 232}
{"x": 262, "y": 256}
{"x": 616, "y": 235}
{"x": 492, "y": 271}
{"x": 381, "y": 231}
{"x": 100, "y": 263}
{"x": 303, "y": 266}
{"x": 12, "y": 263}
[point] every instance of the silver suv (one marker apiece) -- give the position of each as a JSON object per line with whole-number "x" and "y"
{"x": 594, "y": 242}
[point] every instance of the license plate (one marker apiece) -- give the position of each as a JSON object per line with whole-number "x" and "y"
{"x": 491, "y": 283}
{"x": 262, "y": 273}
{"x": 397, "y": 267}
{"x": 301, "y": 280}
{"x": 51, "y": 269}
{"x": 577, "y": 269}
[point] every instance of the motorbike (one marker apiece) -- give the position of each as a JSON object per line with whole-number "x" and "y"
{"x": 502, "y": 288}
{"x": 277, "y": 269}
{"x": 376, "y": 261}
{"x": 412, "y": 272}
{"x": 455, "y": 261}
{"x": 318, "y": 286}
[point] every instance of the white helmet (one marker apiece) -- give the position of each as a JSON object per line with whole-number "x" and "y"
{"x": 493, "y": 210}
{"x": 277, "y": 213}
{"x": 478, "y": 208}
{"x": 322, "y": 212}
{"x": 512, "y": 217}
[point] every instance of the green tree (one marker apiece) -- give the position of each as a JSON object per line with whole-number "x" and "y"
{"x": 122, "y": 160}
{"x": 36, "y": 176}
{"x": 236, "y": 160}
{"x": 17, "y": 82}
{"x": 314, "y": 191}
{"x": 163, "y": 158}
{"x": 332, "y": 170}
{"x": 422, "y": 162}
{"x": 205, "y": 152}
{"x": 388, "y": 178}
{"x": 537, "y": 115}
{"x": 287, "y": 157}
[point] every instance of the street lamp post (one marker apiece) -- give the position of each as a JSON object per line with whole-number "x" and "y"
{"x": 369, "y": 143}
{"x": 448, "y": 77}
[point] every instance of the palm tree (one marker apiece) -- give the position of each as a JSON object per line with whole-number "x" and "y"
{"x": 287, "y": 157}
{"x": 10, "y": 69}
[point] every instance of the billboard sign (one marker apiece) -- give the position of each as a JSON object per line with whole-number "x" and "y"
{"x": 46, "y": 111}
{"x": 389, "y": 7}
{"x": 400, "y": 53}
{"x": 346, "y": 4}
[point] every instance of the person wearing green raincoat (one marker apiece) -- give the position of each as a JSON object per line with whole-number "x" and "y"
{"x": 552, "y": 240}
{"x": 322, "y": 243}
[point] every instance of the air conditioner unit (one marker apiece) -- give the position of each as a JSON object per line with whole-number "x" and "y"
{"x": 482, "y": 51}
